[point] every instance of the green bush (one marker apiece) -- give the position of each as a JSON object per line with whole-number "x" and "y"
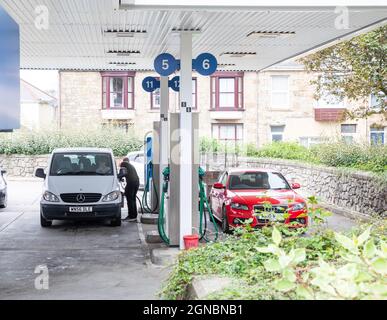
{"x": 363, "y": 157}
{"x": 333, "y": 154}
{"x": 273, "y": 263}
{"x": 284, "y": 150}
{"x": 43, "y": 142}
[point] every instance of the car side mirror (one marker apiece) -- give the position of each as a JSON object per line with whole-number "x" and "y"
{"x": 39, "y": 173}
{"x": 123, "y": 172}
{"x": 218, "y": 185}
{"x": 3, "y": 172}
{"x": 296, "y": 186}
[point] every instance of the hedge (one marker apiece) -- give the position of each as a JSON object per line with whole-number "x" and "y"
{"x": 43, "y": 142}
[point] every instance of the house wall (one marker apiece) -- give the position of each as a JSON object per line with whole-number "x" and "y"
{"x": 81, "y": 105}
{"x": 38, "y": 116}
{"x": 80, "y": 99}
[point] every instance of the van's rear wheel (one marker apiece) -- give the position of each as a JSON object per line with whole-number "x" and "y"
{"x": 44, "y": 222}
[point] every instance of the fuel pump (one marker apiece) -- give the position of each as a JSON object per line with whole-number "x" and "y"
{"x": 149, "y": 181}
{"x": 203, "y": 205}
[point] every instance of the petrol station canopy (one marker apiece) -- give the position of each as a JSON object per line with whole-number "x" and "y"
{"x": 129, "y": 34}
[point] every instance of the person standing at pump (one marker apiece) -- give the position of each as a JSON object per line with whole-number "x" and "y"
{"x": 131, "y": 189}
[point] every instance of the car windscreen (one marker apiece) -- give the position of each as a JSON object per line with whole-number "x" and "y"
{"x": 258, "y": 180}
{"x": 81, "y": 164}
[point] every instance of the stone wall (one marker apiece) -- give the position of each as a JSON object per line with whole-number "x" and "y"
{"x": 25, "y": 166}
{"x": 22, "y": 166}
{"x": 361, "y": 192}
{"x": 357, "y": 191}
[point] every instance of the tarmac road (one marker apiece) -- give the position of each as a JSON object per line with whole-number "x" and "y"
{"x": 84, "y": 260}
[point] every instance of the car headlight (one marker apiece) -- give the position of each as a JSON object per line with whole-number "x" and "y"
{"x": 112, "y": 196}
{"x": 298, "y": 206}
{"x": 50, "y": 197}
{"x": 239, "y": 206}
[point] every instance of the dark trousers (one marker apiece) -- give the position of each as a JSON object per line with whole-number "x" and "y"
{"x": 131, "y": 197}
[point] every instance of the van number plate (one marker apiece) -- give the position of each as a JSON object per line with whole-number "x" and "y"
{"x": 81, "y": 209}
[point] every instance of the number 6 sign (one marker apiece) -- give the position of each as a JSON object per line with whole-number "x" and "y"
{"x": 206, "y": 64}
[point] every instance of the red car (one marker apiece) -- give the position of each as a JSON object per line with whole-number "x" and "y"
{"x": 258, "y": 194}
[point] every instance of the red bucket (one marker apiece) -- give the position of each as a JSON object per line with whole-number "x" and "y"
{"x": 191, "y": 241}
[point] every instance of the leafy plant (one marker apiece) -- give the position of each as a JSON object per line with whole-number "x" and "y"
{"x": 360, "y": 273}
{"x": 277, "y": 262}
{"x": 353, "y": 69}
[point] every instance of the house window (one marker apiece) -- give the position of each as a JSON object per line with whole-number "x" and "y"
{"x": 156, "y": 101}
{"x": 277, "y": 133}
{"x": 228, "y": 132}
{"x": 347, "y": 132}
{"x": 227, "y": 91}
{"x": 376, "y": 103}
{"x": 330, "y": 101}
{"x": 118, "y": 125}
{"x": 280, "y": 91}
{"x": 377, "y": 136}
{"x": 118, "y": 90}
{"x": 310, "y": 141}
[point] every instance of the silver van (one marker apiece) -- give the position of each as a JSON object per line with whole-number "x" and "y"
{"x": 81, "y": 184}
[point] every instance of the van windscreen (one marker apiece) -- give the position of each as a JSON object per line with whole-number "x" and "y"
{"x": 81, "y": 164}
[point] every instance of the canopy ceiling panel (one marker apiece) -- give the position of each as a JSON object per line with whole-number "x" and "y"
{"x": 98, "y": 35}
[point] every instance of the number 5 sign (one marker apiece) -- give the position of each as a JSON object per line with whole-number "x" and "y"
{"x": 165, "y": 64}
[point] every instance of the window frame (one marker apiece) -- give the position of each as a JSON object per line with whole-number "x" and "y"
{"x": 374, "y": 107}
{"x": 272, "y": 91}
{"x": 238, "y": 91}
{"x": 193, "y": 93}
{"x": 277, "y": 133}
{"x": 322, "y": 103}
{"x": 345, "y": 135}
{"x": 235, "y": 125}
{"x": 378, "y": 131}
{"x": 125, "y": 75}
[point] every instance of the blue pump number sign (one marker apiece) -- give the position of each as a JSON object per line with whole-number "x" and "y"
{"x": 174, "y": 84}
{"x": 166, "y": 64}
{"x": 206, "y": 64}
{"x": 150, "y": 84}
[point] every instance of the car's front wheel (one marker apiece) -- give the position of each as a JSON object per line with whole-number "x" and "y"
{"x": 44, "y": 222}
{"x": 225, "y": 225}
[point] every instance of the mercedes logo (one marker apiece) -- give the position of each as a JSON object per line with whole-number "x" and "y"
{"x": 81, "y": 198}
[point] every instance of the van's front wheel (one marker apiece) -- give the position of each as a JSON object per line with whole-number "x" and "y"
{"x": 115, "y": 222}
{"x": 44, "y": 222}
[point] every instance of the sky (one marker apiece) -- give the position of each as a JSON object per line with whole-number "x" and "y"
{"x": 46, "y": 80}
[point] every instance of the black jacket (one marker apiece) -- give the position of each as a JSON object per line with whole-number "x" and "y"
{"x": 132, "y": 179}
